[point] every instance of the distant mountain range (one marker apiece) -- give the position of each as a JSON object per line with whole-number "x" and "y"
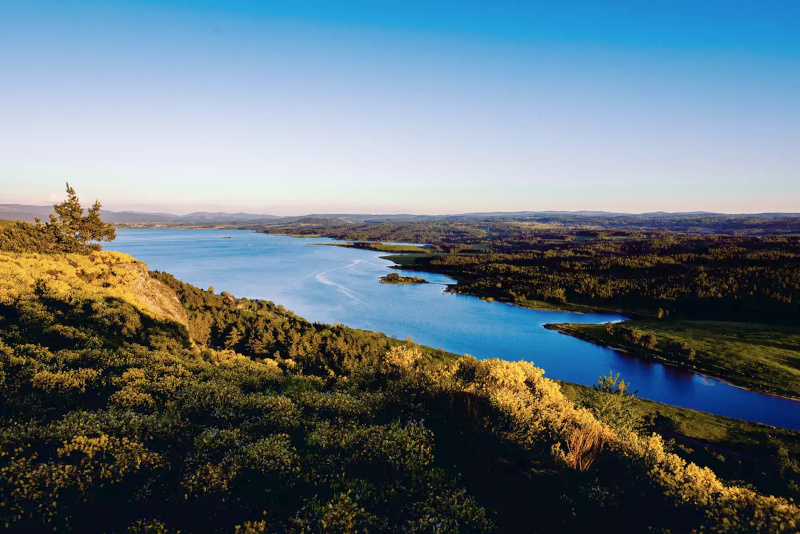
{"x": 28, "y": 213}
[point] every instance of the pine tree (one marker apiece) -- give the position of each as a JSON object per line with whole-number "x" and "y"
{"x": 68, "y": 230}
{"x": 76, "y": 230}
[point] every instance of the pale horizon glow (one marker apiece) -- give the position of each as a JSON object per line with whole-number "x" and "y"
{"x": 285, "y": 108}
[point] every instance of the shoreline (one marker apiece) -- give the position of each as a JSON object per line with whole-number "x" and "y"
{"x": 538, "y": 305}
{"x": 580, "y": 335}
{"x": 551, "y": 326}
{"x": 557, "y": 327}
{"x": 589, "y": 339}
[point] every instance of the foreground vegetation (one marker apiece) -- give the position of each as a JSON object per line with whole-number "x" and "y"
{"x": 757, "y": 356}
{"x": 741, "y": 452}
{"x": 115, "y": 417}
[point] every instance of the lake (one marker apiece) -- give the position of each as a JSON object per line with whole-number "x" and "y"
{"x": 330, "y": 284}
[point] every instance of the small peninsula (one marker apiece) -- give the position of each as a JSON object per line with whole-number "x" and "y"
{"x": 394, "y": 278}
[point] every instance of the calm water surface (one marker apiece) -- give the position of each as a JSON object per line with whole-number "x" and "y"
{"x": 340, "y": 285}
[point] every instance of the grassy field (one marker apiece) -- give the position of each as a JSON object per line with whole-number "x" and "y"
{"x": 756, "y": 356}
{"x": 567, "y": 307}
{"x": 736, "y": 450}
{"x": 407, "y": 260}
{"x": 382, "y": 247}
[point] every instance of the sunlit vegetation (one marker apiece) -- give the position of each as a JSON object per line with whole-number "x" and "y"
{"x": 83, "y": 277}
{"x": 765, "y": 457}
{"x": 757, "y": 356}
{"x": 117, "y": 417}
{"x": 394, "y": 278}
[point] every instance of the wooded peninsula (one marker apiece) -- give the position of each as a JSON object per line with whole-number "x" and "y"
{"x": 686, "y": 292}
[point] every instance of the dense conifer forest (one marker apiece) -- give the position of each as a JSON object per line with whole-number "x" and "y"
{"x": 698, "y": 275}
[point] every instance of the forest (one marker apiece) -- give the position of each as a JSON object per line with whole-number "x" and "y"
{"x": 372, "y": 227}
{"x": 725, "y": 304}
{"x": 648, "y": 272}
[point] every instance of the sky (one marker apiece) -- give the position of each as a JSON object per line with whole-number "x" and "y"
{"x": 293, "y": 107}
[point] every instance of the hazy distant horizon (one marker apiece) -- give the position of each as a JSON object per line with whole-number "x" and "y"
{"x": 418, "y": 107}
{"x": 369, "y": 212}
{"x": 294, "y": 211}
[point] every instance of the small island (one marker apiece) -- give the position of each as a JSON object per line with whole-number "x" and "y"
{"x": 394, "y": 278}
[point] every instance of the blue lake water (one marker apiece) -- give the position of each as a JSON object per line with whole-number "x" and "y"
{"x": 331, "y": 284}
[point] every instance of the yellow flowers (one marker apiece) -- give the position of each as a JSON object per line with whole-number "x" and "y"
{"x": 86, "y": 445}
{"x": 127, "y": 455}
{"x": 537, "y": 412}
{"x": 64, "y": 380}
{"x": 98, "y": 275}
{"x": 403, "y": 358}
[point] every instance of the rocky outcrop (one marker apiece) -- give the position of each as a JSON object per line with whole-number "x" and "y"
{"x": 99, "y": 275}
{"x": 157, "y": 295}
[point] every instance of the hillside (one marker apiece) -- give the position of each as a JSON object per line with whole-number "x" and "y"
{"x": 121, "y": 413}
{"x": 93, "y": 277}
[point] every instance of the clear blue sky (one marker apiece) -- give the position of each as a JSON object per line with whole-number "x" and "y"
{"x": 292, "y": 107}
